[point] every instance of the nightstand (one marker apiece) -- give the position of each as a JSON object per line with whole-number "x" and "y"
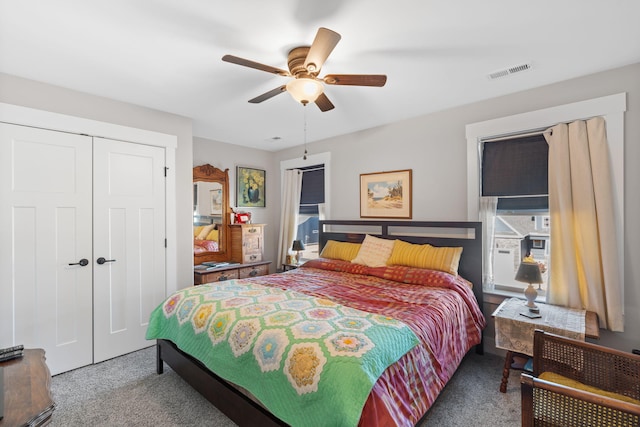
{"x": 287, "y": 267}
{"x": 514, "y": 331}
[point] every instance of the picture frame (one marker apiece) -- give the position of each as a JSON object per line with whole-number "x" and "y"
{"x": 386, "y": 194}
{"x": 250, "y": 187}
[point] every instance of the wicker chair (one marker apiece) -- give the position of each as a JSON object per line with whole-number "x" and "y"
{"x": 547, "y": 403}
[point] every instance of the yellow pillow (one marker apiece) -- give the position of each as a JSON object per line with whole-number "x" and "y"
{"x": 213, "y": 235}
{"x": 560, "y": 379}
{"x": 426, "y": 256}
{"x": 374, "y": 252}
{"x": 197, "y": 229}
{"x": 204, "y": 231}
{"x": 345, "y": 251}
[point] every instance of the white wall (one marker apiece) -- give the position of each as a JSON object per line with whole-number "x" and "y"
{"x": 434, "y": 146}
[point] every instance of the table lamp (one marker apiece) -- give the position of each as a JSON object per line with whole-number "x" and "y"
{"x": 297, "y": 246}
{"x": 529, "y": 272}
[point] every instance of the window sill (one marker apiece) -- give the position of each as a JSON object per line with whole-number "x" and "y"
{"x": 491, "y": 293}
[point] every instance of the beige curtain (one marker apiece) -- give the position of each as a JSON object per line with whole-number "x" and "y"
{"x": 584, "y": 260}
{"x": 488, "y": 208}
{"x": 291, "y": 189}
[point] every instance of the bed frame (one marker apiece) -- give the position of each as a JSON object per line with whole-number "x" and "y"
{"x": 246, "y": 412}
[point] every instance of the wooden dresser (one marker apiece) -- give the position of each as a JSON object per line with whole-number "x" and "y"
{"x": 27, "y": 393}
{"x": 247, "y": 243}
{"x": 247, "y": 256}
{"x": 232, "y": 271}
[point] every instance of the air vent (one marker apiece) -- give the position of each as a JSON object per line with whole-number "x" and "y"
{"x": 509, "y": 71}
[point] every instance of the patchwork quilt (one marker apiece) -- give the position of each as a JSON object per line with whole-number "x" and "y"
{"x": 309, "y": 360}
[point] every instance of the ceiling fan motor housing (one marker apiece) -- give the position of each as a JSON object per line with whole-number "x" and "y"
{"x": 295, "y": 61}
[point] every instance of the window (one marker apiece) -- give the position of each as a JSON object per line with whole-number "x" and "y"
{"x": 611, "y": 107}
{"x": 515, "y": 170}
{"x": 545, "y": 222}
{"x": 323, "y": 209}
{"x": 311, "y": 201}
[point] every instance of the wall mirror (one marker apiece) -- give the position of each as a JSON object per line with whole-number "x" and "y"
{"x": 210, "y": 214}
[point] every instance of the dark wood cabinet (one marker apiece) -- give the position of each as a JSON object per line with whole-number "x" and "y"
{"x": 27, "y": 392}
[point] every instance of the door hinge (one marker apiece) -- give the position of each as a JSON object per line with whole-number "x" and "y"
{"x": 165, "y": 243}
{"x": 165, "y": 171}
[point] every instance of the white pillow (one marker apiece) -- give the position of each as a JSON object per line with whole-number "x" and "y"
{"x": 374, "y": 252}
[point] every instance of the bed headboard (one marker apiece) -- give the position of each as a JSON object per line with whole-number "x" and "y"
{"x": 468, "y": 235}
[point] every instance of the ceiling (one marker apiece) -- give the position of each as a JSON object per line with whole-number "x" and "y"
{"x": 437, "y": 54}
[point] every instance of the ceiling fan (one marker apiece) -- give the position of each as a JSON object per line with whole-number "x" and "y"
{"x": 304, "y": 64}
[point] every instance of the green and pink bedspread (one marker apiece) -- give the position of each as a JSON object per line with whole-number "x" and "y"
{"x": 309, "y": 360}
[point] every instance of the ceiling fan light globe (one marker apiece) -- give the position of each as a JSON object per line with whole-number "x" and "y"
{"x": 305, "y": 90}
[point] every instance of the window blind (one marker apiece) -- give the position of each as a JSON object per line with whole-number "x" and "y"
{"x": 312, "y": 189}
{"x": 516, "y": 171}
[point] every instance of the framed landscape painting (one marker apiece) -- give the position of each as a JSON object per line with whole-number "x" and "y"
{"x": 386, "y": 194}
{"x": 250, "y": 187}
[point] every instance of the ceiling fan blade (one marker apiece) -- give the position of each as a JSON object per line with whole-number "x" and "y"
{"x": 252, "y": 64}
{"x": 267, "y": 95}
{"x": 320, "y": 49}
{"x": 356, "y": 79}
{"x": 323, "y": 103}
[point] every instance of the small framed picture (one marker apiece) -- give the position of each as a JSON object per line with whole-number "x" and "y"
{"x": 250, "y": 187}
{"x": 386, "y": 194}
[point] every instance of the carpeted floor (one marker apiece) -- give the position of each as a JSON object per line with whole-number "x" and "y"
{"x": 126, "y": 391}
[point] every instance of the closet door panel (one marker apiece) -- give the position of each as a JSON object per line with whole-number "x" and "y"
{"x": 129, "y": 232}
{"x": 45, "y": 225}
{"x": 24, "y": 295}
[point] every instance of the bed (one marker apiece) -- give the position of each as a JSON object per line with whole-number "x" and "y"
{"x": 333, "y": 342}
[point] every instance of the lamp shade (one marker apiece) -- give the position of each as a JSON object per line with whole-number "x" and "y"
{"x": 529, "y": 272}
{"x": 297, "y": 245}
{"x": 305, "y": 90}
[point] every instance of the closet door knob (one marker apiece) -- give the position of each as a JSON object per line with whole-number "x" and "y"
{"x": 101, "y": 260}
{"x": 83, "y": 262}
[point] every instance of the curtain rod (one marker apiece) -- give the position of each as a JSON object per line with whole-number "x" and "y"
{"x": 546, "y": 130}
{"x": 308, "y": 170}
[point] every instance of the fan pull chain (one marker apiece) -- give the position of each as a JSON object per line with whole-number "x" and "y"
{"x": 305, "y": 132}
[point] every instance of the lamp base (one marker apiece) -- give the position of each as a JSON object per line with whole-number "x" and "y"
{"x": 531, "y": 294}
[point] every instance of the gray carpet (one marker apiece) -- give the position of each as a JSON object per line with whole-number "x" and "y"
{"x": 126, "y": 391}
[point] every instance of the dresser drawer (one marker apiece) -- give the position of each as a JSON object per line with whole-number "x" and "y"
{"x": 252, "y": 230}
{"x": 254, "y": 271}
{"x": 252, "y": 257}
{"x": 218, "y": 276}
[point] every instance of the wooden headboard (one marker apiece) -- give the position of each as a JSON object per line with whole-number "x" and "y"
{"x": 468, "y": 235}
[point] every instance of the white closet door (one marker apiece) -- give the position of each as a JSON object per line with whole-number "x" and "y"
{"x": 45, "y": 226}
{"x": 129, "y": 233}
